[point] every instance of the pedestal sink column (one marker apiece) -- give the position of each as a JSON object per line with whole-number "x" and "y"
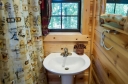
{"x": 67, "y": 79}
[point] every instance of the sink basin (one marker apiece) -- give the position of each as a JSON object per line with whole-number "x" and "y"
{"x": 74, "y": 64}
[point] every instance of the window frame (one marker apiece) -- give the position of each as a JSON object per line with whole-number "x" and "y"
{"x": 79, "y": 16}
{"x": 118, "y": 1}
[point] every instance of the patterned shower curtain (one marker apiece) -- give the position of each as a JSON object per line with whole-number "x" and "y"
{"x": 21, "y": 46}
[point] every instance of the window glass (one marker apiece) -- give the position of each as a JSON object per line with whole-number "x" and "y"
{"x": 117, "y": 7}
{"x": 69, "y": 8}
{"x": 69, "y": 22}
{"x": 55, "y": 23}
{"x": 121, "y": 9}
{"x": 56, "y": 8}
{"x": 65, "y": 15}
{"x": 110, "y": 8}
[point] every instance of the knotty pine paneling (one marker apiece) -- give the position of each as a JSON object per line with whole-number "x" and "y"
{"x": 120, "y": 39}
{"x": 85, "y": 14}
{"x": 108, "y": 71}
{"x": 50, "y": 47}
{"x": 117, "y": 57}
{"x": 67, "y": 38}
{"x": 82, "y": 78}
{"x": 95, "y": 77}
{"x": 53, "y": 78}
{"x": 108, "y": 67}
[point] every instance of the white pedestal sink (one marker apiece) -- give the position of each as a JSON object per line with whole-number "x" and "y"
{"x": 67, "y": 67}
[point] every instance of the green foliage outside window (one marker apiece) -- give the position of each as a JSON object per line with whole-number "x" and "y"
{"x": 64, "y": 16}
{"x": 113, "y": 8}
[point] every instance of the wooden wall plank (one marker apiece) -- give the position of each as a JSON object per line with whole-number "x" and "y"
{"x": 109, "y": 66}
{"x": 111, "y": 74}
{"x": 67, "y": 38}
{"x": 92, "y": 34}
{"x": 82, "y": 78}
{"x": 85, "y": 17}
{"x": 50, "y": 47}
{"x": 111, "y": 43}
{"x": 120, "y": 39}
{"x": 117, "y": 56}
{"x": 98, "y": 76}
{"x": 97, "y": 66}
{"x": 53, "y": 77}
{"x": 95, "y": 77}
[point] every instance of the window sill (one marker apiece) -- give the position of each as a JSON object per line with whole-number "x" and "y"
{"x": 66, "y": 37}
{"x": 64, "y": 33}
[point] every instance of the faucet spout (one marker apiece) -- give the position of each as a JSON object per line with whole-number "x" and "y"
{"x": 65, "y": 53}
{"x": 64, "y": 61}
{"x": 65, "y": 50}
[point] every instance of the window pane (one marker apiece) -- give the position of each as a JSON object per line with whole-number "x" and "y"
{"x": 110, "y": 8}
{"x": 69, "y": 8}
{"x": 69, "y": 22}
{"x": 55, "y": 23}
{"x": 56, "y": 8}
{"x": 121, "y": 9}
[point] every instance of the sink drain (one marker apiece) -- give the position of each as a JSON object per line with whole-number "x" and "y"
{"x": 66, "y": 68}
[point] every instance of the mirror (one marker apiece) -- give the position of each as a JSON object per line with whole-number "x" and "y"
{"x": 115, "y": 16}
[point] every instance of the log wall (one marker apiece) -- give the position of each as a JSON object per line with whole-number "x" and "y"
{"x": 109, "y": 67}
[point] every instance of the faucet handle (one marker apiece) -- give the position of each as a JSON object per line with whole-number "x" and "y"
{"x": 65, "y": 53}
{"x": 62, "y": 53}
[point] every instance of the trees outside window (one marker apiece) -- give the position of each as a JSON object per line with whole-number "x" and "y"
{"x": 117, "y": 7}
{"x": 65, "y": 16}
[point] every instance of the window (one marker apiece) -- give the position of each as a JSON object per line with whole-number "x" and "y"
{"x": 117, "y": 7}
{"x": 65, "y": 16}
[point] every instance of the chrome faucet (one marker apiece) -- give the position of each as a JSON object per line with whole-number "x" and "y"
{"x": 65, "y": 53}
